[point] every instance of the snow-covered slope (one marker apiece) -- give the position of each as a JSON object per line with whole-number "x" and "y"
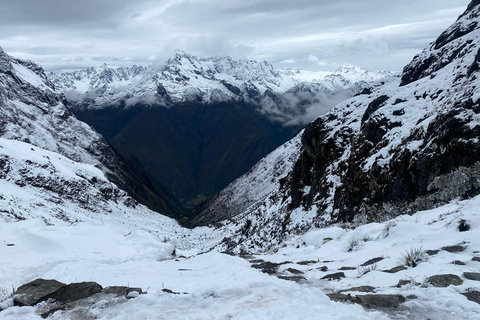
{"x": 33, "y": 111}
{"x": 410, "y": 144}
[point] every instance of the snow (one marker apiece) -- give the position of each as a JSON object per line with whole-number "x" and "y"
{"x": 214, "y": 285}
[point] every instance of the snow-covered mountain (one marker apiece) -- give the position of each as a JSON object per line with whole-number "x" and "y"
{"x": 184, "y": 78}
{"x": 407, "y": 145}
{"x": 33, "y": 111}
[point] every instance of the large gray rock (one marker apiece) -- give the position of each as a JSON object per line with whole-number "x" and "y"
{"x": 77, "y": 291}
{"x": 380, "y": 300}
{"x": 444, "y": 280}
{"x": 36, "y": 291}
{"x": 473, "y": 296}
{"x": 472, "y": 276}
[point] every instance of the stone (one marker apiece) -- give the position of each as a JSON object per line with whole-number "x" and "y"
{"x": 323, "y": 268}
{"x": 294, "y": 271}
{"x": 360, "y": 289}
{"x": 445, "y": 280}
{"x": 36, "y": 291}
{"x": 475, "y": 276}
{"x": 372, "y": 261}
{"x": 334, "y": 276}
{"x": 340, "y": 297}
{"x": 347, "y": 268}
{"x": 120, "y": 291}
{"x": 432, "y": 252}
{"x": 77, "y": 291}
{"x": 269, "y": 267}
{"x": 293, "y": 278}
{"x": 458, "y": 262}
{"x": 381, "y": 300}
{"x": 476, "y": 259}
{"x": 395, "y": 269}
{"x": 473, "y": 296}
{"x": 455, "y": 248}
{"x": 307, "y": 262}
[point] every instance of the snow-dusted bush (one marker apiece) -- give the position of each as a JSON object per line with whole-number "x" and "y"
{"x": 414, "y": 256}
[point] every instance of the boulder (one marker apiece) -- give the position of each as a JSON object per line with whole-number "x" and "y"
{"x": 395, "y": 269}
{"x": 458, "y": 262}
{"x": 473, "y": 296}
{"x": 293, "y": 278}
{"x": 294, "y": 271}
{"x": 307, "y": 262}
{"x": 323, "y": 268}
{"x": 36, "y": 291}
{"x": 476, "y": 259}
{"x": 445, "y": 280}
{"x": 360, "y": 289}
{"x": 432, "y": 252}
{"x": 77, "y": 291}
{"x": 347, "y": 268}
{"x": 455, "y": 248}
{"x": 381, "y": 300}
{"x": 472, "y": 276}
{"x": 372, "y": 261}
{"x": 334, "y": 276}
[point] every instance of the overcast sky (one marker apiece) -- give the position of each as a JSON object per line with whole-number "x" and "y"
{"x": 309, "y": 34}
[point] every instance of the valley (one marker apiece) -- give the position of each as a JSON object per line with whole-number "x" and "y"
{"x": 220, "y": 188}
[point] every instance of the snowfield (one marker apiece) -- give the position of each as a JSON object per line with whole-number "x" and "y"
{"x": 214, "y": 285}
{"x": 132, "y": 246}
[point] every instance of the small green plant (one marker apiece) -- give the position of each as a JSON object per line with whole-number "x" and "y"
{"x": 414, "y": 257}
{"x": 327, "y": 239}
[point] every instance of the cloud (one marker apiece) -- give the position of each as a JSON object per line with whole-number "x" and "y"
{"x": 289, "y": 61}
{"x": 313, "y": 58}
{"x": 387, "y": 33}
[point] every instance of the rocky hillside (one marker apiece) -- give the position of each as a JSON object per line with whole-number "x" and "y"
{"x": 32, "y": 111}
{"x": 410, "y": 144}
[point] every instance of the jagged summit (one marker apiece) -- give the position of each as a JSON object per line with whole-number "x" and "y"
{"x": 184, "y": 77}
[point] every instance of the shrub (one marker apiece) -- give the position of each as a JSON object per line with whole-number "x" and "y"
{"x": 463, "y": 225}
{"x": 414, "y": 257}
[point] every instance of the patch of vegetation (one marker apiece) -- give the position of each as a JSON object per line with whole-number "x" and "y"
{"x": 414, "y": 257}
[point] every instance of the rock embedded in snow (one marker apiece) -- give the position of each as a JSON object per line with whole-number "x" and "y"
{"x": 334, "y": 276}
{"x": 473, "y": 296}
{"x": 475, "y": 276}
{"x": 36, "y": 291}
{"x": 76, "y": 291}
{"x": 381, "y": 300}
{"x": 444, "y": 280}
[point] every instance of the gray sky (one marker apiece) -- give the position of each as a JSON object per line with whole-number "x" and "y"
{"x": 309, "y": 34}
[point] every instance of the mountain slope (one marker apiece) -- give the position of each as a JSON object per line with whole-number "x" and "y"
{"x": 198, "y": 123}
{"x": 410, "y": 144}
{"x": 33, "y": 111}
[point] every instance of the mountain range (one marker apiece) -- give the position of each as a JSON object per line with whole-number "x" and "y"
{"x": 196, "y": 123}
